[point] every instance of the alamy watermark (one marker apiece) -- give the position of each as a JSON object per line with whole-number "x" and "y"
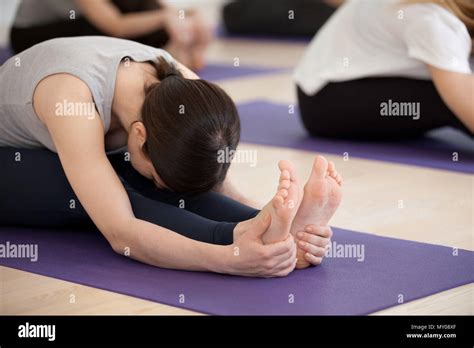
{"x": 346, "y": 251}
{"x": 237, "y": 156}
{"x": 28, "y": 330}
{"x": 19, "y": 251}
{"x": 67, "y": 108}
{"x": 402, "y": 109}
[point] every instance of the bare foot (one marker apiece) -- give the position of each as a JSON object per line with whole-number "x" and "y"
{"x": 180, "y": 53}
{"x": 197, "y": 54}
{"x": 322, "y": 195}
{"x": 283, "y": 207}
{"x": 281, "y": 210}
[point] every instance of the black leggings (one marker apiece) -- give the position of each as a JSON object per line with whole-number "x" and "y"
{"x": 270, "y": 17}
{"x": 352, "y": 109}
{"x": 23, "y": 38}
{"x": 34, "y": 192}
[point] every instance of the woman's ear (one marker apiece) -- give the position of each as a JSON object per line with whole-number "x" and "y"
{"x": 138, "y": 131}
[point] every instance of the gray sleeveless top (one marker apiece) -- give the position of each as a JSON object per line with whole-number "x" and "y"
{"x": 93, "y": 59}
{"x": 37, "y": 12}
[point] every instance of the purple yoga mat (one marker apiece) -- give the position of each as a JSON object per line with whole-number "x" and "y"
{"x": 391, "y": 269}
{"x": 271, "y": 124}
{"x": 215, "y": 72}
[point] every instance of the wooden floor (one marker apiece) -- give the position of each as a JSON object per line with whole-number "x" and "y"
{"x": 438, "y": 205}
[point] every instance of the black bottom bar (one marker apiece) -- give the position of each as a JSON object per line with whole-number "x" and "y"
{"x": 158, "y": 330}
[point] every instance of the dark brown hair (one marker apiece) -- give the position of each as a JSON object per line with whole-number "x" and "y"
{"x": 188, "y": 123}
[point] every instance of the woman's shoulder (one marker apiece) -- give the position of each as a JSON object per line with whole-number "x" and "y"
{"x": 432, "y": 15}
{"x": 56, "y": 92}
{"x": 436, "y": 36}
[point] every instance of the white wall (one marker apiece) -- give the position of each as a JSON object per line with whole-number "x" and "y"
{"x": 7, "y": 12}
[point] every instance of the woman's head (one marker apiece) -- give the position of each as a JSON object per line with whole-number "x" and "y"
{"x": 185, "y": 123}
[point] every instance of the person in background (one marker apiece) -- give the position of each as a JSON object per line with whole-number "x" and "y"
{"x": 181, "y": 32}
{"x": 282, "y": 17}
{"x": 389, "y": 70}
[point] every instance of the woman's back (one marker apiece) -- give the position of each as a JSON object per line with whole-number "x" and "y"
{"x": 384, "y": 38}
{"x": 92, "y": 59}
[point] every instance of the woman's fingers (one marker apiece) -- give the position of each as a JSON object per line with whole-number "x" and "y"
{"x": 275, "y": 261}
{"x": 282, "y": 257}
{"x": 314, "y": 260}
{"x": 312, "y": 249}
{"x": 279, "y": 248}
{"x": 286, "y": 264}
{"x": 322, "y": 231}
{"x": 284, "y": 272}
{"x": 313, "y": 239}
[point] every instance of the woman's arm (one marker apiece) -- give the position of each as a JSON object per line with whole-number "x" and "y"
{"x": 79, "y": 140}
{"x": 457, "y": 91}
{"x": 107, "y": 17}
{"x": 80, "y": 144}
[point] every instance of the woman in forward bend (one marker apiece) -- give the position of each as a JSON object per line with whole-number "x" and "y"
{"x": 74, "y": 105}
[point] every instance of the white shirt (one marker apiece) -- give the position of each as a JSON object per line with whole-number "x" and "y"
{"x": 367, "y": 38}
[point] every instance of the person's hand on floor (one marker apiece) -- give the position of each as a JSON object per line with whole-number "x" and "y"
{"x": 315, "y": 240}
{"x": 250, "y": 257}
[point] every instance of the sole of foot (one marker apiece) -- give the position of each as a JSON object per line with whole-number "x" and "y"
{"x": 321, "y": 197}
{"x": 283, "y": 206}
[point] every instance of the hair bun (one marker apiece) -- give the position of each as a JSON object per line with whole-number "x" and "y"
{"x": 165, "y": 69}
